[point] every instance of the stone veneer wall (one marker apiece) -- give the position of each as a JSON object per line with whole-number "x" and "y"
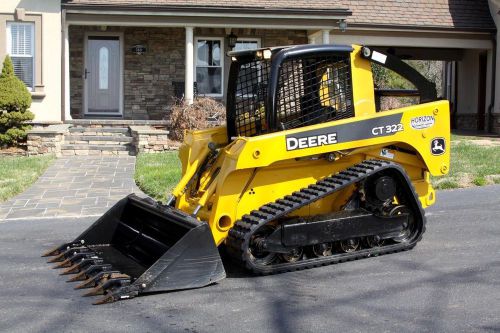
{"x": 496, "y": 123}
{"x": 466, "y": 121}
{"x": 149, "y": 140}
{"x": 148, "y": 78}
{"x": 46, "y": 140}
{"x": 469, "y": 121}
{"x": 51, "y": 140}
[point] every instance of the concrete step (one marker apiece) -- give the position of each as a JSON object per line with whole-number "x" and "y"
{"x": 84, "y": 152}
{"x": 119, "y": 139}
{"x": 113, "y": 130}
{"x": 125, "y": 147}
{"x": 116, "y": 122}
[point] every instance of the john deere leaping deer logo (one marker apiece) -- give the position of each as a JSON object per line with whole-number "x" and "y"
{"x": 438, "y": 146}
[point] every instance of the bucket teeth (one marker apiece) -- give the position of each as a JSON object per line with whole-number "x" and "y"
{"x": 91, "y": 271}
{"x": 97, "y": 290}
{"x": 118, "y": 294}
{"x": 78, "y": 277}
{"x": 57, "y": 258}
{"x": 109, "y": 285}
{"x": 110, "y": 298}
{"x": 89, "y": 283}
{"x": 61, "y": 248}
{"x": 68, "y": 253}
{"x": 75, "y": 258}
{"x": 62, "y": 264}
{"x": 97, "y": 279}
{"x": 81, "y": 265}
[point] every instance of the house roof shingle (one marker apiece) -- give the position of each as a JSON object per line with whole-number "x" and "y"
{"x": 447, "y": 14}
{"x": 456, "y": 14}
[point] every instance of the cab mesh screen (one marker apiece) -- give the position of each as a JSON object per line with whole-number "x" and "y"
{"x": 250, "y": 96}
{"x": 314, "y": 90}
{"x": 310, "y": 90}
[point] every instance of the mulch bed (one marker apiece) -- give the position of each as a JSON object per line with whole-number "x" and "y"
{"x": 13, "y": 151}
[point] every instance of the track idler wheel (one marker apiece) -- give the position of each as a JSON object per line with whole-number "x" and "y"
{"x": 349, "y": 245}
{"x": 322, "y": 250}
{"x": 293, "y": 255}
{"x": 374, "y": 241}
{"x": 256, "y": 247}
{"x": 405, "y": 235}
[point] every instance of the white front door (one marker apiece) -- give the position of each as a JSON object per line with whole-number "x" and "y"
{"x": 102, "y": 76}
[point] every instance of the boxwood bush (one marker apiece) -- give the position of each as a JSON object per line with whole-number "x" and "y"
{"x": 15, "y": 101}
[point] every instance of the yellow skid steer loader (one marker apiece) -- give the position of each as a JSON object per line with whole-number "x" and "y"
{"x": 306, "y": 172}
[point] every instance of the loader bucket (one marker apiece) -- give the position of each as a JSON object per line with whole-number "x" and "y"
{"x": 140, "y": 246}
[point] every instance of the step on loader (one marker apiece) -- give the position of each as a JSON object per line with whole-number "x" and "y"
{"x": 308, "y": 171}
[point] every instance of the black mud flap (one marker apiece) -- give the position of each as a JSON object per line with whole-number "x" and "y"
{"x": 140, "y": 246}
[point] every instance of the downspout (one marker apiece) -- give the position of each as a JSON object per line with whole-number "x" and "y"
{"x": 63, "y": 65}
{"x": 489, "y": 122}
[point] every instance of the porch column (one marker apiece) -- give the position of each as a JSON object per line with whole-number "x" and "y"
{"x": 489, "y": 106}
{"x": 326, "y": 36}
{"x": 67, "y": 108}
{"x": 189, "y": 78}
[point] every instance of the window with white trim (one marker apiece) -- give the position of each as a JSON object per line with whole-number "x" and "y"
{"x": 209, "y": 66}
{"x": 21, "y": 48}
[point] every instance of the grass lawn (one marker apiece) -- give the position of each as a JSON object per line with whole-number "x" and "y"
{"x": 18, "y": 173}
{"x": 157, "y": 174}
{"x": 475, "y": 161}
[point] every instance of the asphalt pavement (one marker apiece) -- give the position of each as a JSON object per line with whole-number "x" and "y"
{"x": 449, "y": 283}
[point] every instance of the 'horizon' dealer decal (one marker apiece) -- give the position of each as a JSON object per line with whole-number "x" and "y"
{"x": 358, "y": 130}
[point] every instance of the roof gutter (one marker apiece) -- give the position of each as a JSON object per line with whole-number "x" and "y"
{"x": 428, "y": 28}
{"x": 206, "y": 11}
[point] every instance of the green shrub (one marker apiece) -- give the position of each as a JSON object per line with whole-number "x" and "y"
{"x": 479, "y": 181}
{"x": 446, "y": 184}
{"x": 15, "y": 101}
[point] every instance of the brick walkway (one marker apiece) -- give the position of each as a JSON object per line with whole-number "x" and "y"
{"x": 75, "y": 186}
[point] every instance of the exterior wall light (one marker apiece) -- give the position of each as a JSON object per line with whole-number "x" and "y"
{"x": 342, "y": 25}
{"x": 231, "y": 40}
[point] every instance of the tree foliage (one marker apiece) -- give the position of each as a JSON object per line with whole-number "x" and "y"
{"x": 15, "y": 101}
{"x": 387, "y": 79}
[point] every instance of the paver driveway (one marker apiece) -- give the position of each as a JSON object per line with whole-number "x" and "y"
{"x": 75, "y": 186}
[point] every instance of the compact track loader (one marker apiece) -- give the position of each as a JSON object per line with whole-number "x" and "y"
{"x": 306, "y": 172}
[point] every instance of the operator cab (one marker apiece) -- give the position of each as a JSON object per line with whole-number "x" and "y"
{"x": 282, "y": 88}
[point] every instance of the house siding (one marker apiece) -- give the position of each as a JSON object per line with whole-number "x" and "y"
{"x": 148, "y": 89}
{"x": 46, "y": 16}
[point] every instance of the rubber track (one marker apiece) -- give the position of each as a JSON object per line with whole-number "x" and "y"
{"x": 239, "y": 236}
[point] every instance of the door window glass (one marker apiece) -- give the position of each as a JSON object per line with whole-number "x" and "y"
{"x": 103, "y": 68}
